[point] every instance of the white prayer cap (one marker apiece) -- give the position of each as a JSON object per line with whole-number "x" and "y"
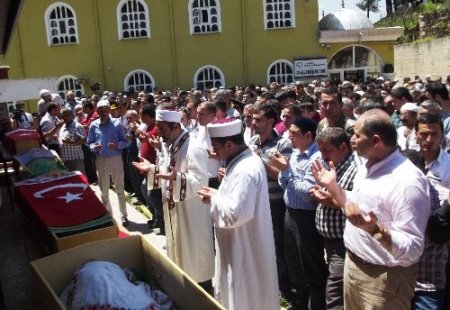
{"x": 44, "y": 93}
{"x": 168, "y": 116}
{"x": 225, "y": 128}
{"x": 103, "y": 103}
{"x": 360, "y": 92}
{"x": 409, "y": 106}
{"x": 380, "y": 78}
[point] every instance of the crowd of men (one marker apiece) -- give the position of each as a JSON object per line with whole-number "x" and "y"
{"x": 332, "y": 195}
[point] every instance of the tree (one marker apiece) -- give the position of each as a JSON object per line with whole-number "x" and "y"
{"x": 368, "y": 6}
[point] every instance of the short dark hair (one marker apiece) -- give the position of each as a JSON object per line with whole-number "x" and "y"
{"x": 51, "y": 106}
{"x": 402, "y": 92}
{"x": 209, "y": 106}
{"x": 149, "y": 110}
{"x": 221, "y": 105}
{"x": 335, "y": 136}
{"x": 430, "y": 118}
{"x": 88, "y": 105}
{"x": 305, "y": 125}
{"x": 333, "y": 90}
{"x": 269, "y": 111}
{"x": 437, "y": 88}
{"x": 374, "y": 124}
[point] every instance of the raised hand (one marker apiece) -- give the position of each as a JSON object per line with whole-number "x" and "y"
{"x": 172, "y": 175}
{"x": 367, "y": 222}
{"x": 322, "y": 176}
{"x": 144, "y": 165}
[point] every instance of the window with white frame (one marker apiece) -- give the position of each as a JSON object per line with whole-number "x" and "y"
{"x": 279, "y": 14}
{"x": 69, "y": 82}
{"x": 139, "y": 80}
{"x": 208, "y": 77}
{"x": 133, "y": 19}
{"x": 280, "y": 71}
{"x": 204, "y": 16}
{"x": 61, "y": 24}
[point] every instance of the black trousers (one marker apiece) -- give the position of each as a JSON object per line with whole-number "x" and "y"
{"x": 305, "y": 258}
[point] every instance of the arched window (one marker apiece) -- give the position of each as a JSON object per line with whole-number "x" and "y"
{"x": 355, "y": 63}
{"x": 208, "y": 77}
{"x": 69, "y": 82}
{"x": 280, "y": 71}
{"x": 204, "y": 16}
{"x": 279, "y": 14}
{"x": 61, "y": 24}
{"x": 139, "y": 80}
{"x": 133, "y": 20}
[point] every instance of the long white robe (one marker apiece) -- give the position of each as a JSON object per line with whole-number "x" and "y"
{"x": 246, "y": 274}
{"x": 188, "y": 225}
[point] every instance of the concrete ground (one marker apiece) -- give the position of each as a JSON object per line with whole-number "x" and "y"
{"x": 19, "y": 246}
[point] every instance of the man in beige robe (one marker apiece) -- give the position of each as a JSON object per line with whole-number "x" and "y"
{"x": 181, "y": 172}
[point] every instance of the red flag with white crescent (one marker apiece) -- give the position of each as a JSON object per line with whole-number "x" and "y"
{"x": 61, "y": 201}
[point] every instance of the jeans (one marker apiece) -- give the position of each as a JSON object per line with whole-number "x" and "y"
{"x": 305, "y": 259}
{"x": 428, "y": 300}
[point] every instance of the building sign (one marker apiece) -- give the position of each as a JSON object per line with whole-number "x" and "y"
{"x": 304, "y": 67}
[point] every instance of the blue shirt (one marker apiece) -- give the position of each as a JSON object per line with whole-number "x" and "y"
{"x": 111, "y": 131}
{"x": 298, "y": 179}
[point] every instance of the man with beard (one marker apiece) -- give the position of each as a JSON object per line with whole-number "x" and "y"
{"x": 181, "y": 172}
{"x": 246, "y": 275}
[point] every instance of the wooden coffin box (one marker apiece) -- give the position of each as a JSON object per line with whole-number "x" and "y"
{"x": 55, "y": 271}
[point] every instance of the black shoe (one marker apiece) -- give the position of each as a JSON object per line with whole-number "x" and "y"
{"x": 150, "y": 223}
{"x": 162, "y": 231}
{"x": 124, "y": 222}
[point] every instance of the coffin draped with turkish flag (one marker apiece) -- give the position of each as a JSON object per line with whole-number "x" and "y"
{"x": 62, "y": 206}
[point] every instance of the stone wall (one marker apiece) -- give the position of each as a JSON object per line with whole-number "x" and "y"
{"x": 432, "y": 57}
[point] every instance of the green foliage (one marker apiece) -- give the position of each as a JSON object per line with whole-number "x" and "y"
{"x": 409, "y": 19}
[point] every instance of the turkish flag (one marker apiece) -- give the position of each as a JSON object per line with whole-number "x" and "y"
{"x": 60, "y": 201}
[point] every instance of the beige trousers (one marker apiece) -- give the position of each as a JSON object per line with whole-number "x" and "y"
{"x": 374, "y": 287}
{"x": 113, "y": 166}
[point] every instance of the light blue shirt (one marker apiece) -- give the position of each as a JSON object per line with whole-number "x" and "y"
{"x": 111, "y": 131}
{"x": 298, "y": 179}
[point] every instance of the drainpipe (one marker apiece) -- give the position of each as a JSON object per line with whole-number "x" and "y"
{"x": 172, "y": 41}
{"x": 244, "y": 42}
{"x": 99, "y": 45}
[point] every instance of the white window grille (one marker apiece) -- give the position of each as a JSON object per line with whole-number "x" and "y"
{"x": 61, "y": 24}
{"x": 280, "y": 71}
{"x": 139, "y": 80}
{"x": 133, "y": 19}
{"x": 208, "y": 77}
{"x": 69, "y": 82}
{"x": 279, "y": 14}
{"x": 204, "y": 16}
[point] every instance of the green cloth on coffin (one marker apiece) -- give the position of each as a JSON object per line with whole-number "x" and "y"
{"x": 85, "y": 226}
{"x": 41, "y": 166}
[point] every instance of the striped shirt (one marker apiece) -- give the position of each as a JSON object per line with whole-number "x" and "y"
{"x": 298, "y": 179}
{"x": 275, "y": 143}
{"x": 330, "y": 222}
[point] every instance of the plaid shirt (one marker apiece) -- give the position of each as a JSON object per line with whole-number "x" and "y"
{"x": 74, "y": 131}
{"x": 330, "y": 222}
{"x": 432, "y": 263}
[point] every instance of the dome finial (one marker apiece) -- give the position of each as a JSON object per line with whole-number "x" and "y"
{"x": 343, "y": 4}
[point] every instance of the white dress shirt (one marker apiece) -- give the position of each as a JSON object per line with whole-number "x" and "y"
{"x": 398, "y": 193}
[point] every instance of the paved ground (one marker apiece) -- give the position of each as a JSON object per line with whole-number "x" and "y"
{"x": 19, "y": 246}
